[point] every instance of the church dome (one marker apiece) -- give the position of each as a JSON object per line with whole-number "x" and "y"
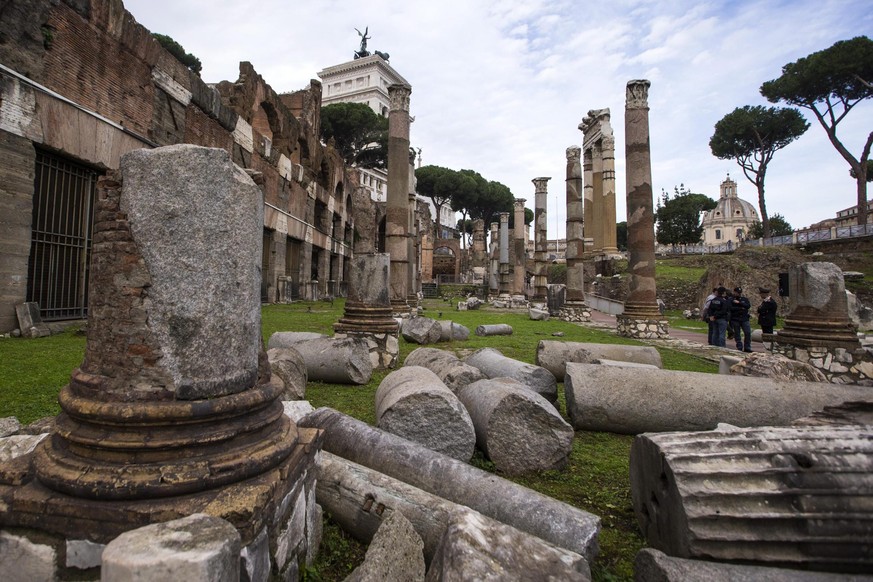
{"x": 731, "y": 217}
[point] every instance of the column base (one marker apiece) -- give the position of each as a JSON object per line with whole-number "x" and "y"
{"x": 575, "y": 312}
{"x": 642, "y": 328}
{"x": 384, "y": 347}
{"x": 275, "y": 513}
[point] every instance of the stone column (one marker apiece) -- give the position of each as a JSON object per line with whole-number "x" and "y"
{"x": 608, "y": 232}
{"x": 503, "y": 267}
{"x": 494, "y": 260}
{"x": 478, "y": 246}
{"x": 412, "y": 268}
{"x": 519, "y": 253}
{"x": 397, "y": 213}
{"x": 324, "y": 257}
{"x": 641, "y": 317}
{"x": 541, "y": 240}
{"x": 597, "y": 198}
{"x": 588, "y": 197}
{"x": 173, "y": 410}
{"x": 575, "y": 308}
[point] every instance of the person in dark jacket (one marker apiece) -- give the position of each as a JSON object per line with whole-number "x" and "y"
{"x": 766, "y": 311}
{"x": 719, "y": 314}
{"x": 740, "y": 320}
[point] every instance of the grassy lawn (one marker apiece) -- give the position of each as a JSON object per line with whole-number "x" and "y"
{"x": 32, "y": 372}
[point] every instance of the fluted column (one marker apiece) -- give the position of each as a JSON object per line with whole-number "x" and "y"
{"x": 412, "y": 265}
{"x": 541, "y": 238}
{"x": 519, "y": 253}
{"x": 588, "y": 197}
{"x": 503, "y": 267}
{"x": 597, "y": 197}
{"x": 397, "y": 215}
{"x": 640, "y": 307}
{"x": 609, "y": 235}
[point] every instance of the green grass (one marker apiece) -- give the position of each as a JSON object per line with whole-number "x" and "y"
{"x": 679, "y": 272}
{"x": 33, "y": 370}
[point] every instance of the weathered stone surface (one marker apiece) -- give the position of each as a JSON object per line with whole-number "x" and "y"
{"x": 474, "y": 548}
{"x": 209, "y": 333}
{"x": 494, "y": 329}
{"x": 84, "y": 554}
{"x": 766, "y": 365}
{"x": 517, "y": 429}
{"x": 29, "y": 320}
{"x": 538, "y": 314}
{"x": 554, "y": 521}
{"x": 32, "y": 561}
{"x": 42, "y": 425}
{"x": 768, "y": 496}
{"x": 8, "y": 426}
{"x": 451, "y": 331}
{"x": 338, "y": 361}
{"x": 454, "y": 373}
{"x": 654, "y": 566}
{"x": 14, "y": 446}
{"x": 394, "y": 554}
{"x": 554, "y": 355}
{"x": 725, "y": 363}
{"x": 421, "y": 330}
{"x": 618, "y": 364}
{"x": 287, "y": 339}
{"x": 255, "y": 559}
{"x": 494, "y": 364}
{"x": 297, "y": 409}
{"x": 413, "y": 403}
{"x": 625, "y": 401}
{"x": 198, "y": 547}
{"x": 288, "y": 364}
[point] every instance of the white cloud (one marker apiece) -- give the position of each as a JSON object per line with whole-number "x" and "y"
{"x": 500, "y": 86}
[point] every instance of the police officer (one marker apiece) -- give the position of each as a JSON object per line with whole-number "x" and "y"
{"x": 719, "y": 314}
{"x": 766, "y": 311}
{"x": 740, "y": 320}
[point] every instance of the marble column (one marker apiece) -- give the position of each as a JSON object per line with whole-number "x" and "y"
{"x": 641, "y": 317}
{"x": 173, "y": 410}
{"x": 597, "y": 198}
{"x": 608, "y": 231}
{"x": 503, "y": 267}
{"x": 519, "y": 253}
{"x": 541, "y": 240}
{"x": 412, "y": 269}
{"x": 397, "y": 212}
{"x": 575, "y": 308}
{"x": 494, "y": 260}
{"x": 588, "y": 198}
{"x": 478, "y": 246}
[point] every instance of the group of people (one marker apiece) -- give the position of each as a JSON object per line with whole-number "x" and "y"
{"x": 721, "y": 310}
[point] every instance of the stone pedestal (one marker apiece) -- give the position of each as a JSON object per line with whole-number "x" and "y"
{"x": 641, "y": 317}
{"x": 368, "y": 312}
{"x": 172, "y": 411}
{"x": 819, "y": 331}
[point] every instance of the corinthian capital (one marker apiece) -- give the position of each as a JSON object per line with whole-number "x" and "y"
{"x": 398, "y": 94}
{"x": 574, "y": 153}
{"x": 638, "y": 94}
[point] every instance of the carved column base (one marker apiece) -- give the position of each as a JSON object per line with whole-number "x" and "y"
{"x": 575, "y": 312}
{"x": 642, "y": 328}
{"x": 275, "y": 513}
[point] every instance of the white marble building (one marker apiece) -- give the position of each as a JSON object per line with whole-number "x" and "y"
{"x": 730, "y": 220}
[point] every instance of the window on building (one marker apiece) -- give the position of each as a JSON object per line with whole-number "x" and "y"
{"x": 740, "y": 233}
{"x": 717, "y": 234}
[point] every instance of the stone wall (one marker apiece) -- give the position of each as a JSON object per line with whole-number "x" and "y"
{"x": 127, "y": 92}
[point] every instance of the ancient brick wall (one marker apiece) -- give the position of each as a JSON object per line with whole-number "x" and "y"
{"x": 95, "y": 54}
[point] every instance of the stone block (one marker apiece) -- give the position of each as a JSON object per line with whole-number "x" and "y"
{"x": 725, "y": 363}
{"x": 394, "y": 555}
{"x": 297, "y": 409}
{"x": 766, "y": 365}
{"x": 9, "y": 426}
{"x": 197, "y": 547}
{"x": 15, "y": 446}
{"x": 84, "y": 554}
{"x": 288, "y": 364}
{"x": 421, "y": 330}
{"x": 255, "y": 559}
{"x": 538, "y": 314}
{"x": 32, "y": 561}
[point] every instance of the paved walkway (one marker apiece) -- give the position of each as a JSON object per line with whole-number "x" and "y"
{"x": 680, "y": 339}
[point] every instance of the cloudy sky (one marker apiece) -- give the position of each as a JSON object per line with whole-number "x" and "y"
{"x": 501, "y": 86}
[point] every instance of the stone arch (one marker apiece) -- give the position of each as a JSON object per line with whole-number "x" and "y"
{"x": 447, "y": 257}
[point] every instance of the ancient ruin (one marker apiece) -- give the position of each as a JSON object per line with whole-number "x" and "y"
{"x": 397, "y": 218}
{"x": 574, "y": 308}
{"x": 503, "y": 266}
{"x": 172, "y": 409}
{"x": 599, "y": 165}
{"x": 541, "y": 274}
{"x": 641, "y": 317}
{"x": 518, "y": 252}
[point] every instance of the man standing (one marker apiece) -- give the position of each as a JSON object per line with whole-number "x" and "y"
{"x": 719, "y": 314}
{"x": 705, "y": 314}
{"x": 766, "y": 311}
{"x": 740, "y": 320}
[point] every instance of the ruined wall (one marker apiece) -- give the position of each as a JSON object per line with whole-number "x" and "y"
{"x": 111, "y": 88}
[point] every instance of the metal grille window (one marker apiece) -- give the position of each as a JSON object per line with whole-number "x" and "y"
{"x": 60, "y": 248}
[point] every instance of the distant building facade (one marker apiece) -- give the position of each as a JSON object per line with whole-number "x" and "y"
{"x": 731, "y": 218}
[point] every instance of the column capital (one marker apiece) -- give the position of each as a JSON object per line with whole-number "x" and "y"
{"x": 574, "y": 153}
{"x": 638, "y": 94}
{"x": 517, "y": 204}
{"x": 541, "y": 184}
{"x": 398, "y": 94}
{"x": 504, "y": 217}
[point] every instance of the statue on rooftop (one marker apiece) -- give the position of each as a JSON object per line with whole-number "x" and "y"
{"x": 363, "y": 52}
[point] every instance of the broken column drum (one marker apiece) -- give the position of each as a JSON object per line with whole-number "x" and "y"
{"x": 397, "y": 217}
{"x": 368, "y": 313}
{"x": 641, "y": 317}
{"x": 454, "y": 373}
{"x": 519, "y": 252}
{"x": 541, "y": 240}
{"x": 575, "y": 309}
{"x": 503, "y": 269}
{"x": 172, "y": 412}
{"x": 494, "y": 364}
